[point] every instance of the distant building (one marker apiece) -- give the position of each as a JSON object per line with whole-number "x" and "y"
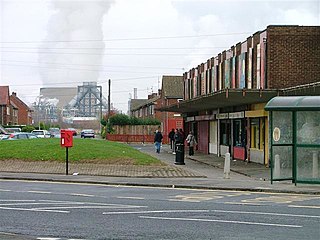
{"x": 145, "y": 108}
{"x": 13, "y": 111}
{"x": 170, "y": 94}
{"x": 24, "y": 112}
{"x": 63, "y": 104}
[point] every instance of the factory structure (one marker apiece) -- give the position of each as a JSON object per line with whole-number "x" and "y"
{"x": 69, "y": 105}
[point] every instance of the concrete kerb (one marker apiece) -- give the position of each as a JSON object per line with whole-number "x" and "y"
{"x": 157, "y": 185}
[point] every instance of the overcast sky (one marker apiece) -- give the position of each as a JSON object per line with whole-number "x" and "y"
{"x": 132, "y": 42}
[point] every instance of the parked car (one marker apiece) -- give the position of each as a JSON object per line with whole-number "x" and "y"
{"x": 13, "y": 130}
{"x": 41, "y": 133}
{"x": 87, "y": 133}
{"x": 20, "y": 135}
{"x": 74, "y": 131}
{"x": 4, "y": 136}
{"x": 54, "y": 132}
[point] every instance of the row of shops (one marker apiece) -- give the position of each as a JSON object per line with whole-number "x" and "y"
{"x": 244, "y": 134}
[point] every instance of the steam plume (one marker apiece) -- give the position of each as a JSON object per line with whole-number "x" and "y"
{"x": 72, "y": 23}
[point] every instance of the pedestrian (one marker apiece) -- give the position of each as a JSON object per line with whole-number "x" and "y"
{"x": 177, "y": 139}
{"x": 191, "y": 142}
{"x": 181, "y": 134}
{"x": 157, "y": 140}
{"x": 171, "y": 138}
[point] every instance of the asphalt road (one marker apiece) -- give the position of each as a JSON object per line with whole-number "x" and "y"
{"x": 47, "y": 210}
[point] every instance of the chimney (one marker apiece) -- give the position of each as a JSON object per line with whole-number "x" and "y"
{"x": 14, "y": 94}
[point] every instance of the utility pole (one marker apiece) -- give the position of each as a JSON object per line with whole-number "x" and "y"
{"x": 109, "y": 91}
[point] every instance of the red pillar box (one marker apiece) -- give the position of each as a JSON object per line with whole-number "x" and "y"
{"x": 66, "y": 139}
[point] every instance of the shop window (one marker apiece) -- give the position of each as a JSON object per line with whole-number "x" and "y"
{"x": 255, "y": 133}
{"x": 239, "y": 134}
{"x": 225, "y": 132}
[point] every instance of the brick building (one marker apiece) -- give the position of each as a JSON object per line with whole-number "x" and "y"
{"x": 5, "y": 106}
{"x": 224, "y": 97}
{"x": 24, "y": 112}
{"x": 171, "y": 93}
{"x": 13, "y": 111}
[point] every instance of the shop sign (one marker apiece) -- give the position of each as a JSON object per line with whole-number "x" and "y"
{"x": 236, "y": 115}
{"x": 222, "y": 116}
{"x": 205, "y": 117}
{"x": 276, "y": 134}
{"x": 190, "y": 119}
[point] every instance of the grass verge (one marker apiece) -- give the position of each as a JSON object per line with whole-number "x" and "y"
{"x": 83, "y": 150}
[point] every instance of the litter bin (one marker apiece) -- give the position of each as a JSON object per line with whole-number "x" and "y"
{"x": 179, "y": 154}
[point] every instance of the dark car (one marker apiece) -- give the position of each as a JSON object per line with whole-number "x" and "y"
{"x": 87, "y": 133}
{"x": 20, "y": 135}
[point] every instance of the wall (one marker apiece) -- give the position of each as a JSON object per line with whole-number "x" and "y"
{"x": 293, "y": 56}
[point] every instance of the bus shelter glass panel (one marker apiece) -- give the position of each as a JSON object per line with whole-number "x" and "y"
{"x": 308, "y": 167}
{"x": 281, "y": 127}
{"x": 308, "y": 128}
{"x": 282, "y": 162}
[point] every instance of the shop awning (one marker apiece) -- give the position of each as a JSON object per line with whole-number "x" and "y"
{"x": 294, "y": 103}
{"x": 223, "y": 98}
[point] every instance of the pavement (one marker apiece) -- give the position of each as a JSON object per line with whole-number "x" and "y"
{"x": 201, "y": 171}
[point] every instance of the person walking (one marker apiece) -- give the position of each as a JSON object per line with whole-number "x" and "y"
{"x": 171, "y": 138}
{"x": 191, "y": 142}
{"x": 157, "y": 140}
{"x": 177, "y": 139}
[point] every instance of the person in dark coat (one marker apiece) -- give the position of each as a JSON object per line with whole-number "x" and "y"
{"x": 177, "y": 139}
{"x": 171, "y": 138}
{"x": 157, "y": 140}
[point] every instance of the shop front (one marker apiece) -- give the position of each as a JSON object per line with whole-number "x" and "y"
{"x": 257, "y": 135}
{"x": 238, "y": 135}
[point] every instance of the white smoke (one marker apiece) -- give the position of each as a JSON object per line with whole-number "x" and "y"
{"x": 74, "y": 41}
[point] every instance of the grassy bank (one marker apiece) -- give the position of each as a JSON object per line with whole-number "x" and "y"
{"x": 83, "y": 150}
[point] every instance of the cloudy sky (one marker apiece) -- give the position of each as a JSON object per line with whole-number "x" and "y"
{"x": 132, "y": 42}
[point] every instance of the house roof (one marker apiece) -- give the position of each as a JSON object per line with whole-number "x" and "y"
{"x": 138, "y": 103}
{"x": 135, "y": 103}
{"x": 172, "y": 87}
{"x": 4, "y": 95}
{"x": 14, "y": 98}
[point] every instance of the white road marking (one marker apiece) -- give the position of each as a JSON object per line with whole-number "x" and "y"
{"x": 41, "y": 192}
{"x": 156, "y": 211}
{"x": 243, "y": 203}
{"x": 81, "y": 195}
{"x": 5, "y": 190}
{"x": 267, "y": 213}
{"x": 181, "y": 200}
{"x": 134, "y": 198}
{"x": 304, "y": 206}
{"x": 33, "y": 210}
{"x": 87, "y": 207}
{"x": 222, "y": 221}
{"x": 47, "y": 238}
{"x": 14, "y": 200}
{"x": 92, "y": 203}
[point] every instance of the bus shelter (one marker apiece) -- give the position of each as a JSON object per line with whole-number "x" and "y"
{"x": 294, "y": 138}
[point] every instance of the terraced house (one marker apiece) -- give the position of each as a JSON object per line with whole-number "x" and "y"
{"x": 224, "y": 97}
{"x": 13, "y": 111}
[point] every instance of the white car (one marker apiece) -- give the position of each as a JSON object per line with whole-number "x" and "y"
{"x": 41, "y": 133}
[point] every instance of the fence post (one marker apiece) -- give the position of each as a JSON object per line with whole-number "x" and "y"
{"x": 315, "y": 164}
{"x": 276, "y": 170}
{"x": 226, "y": 171}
